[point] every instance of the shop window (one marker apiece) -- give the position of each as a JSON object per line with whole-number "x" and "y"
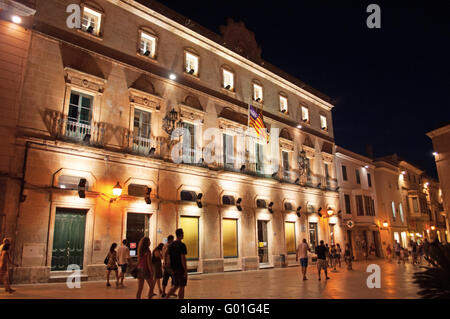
{"x": 190, "y": 226}
{"x": 230, "y": 238}
{"x": 289, "y": 230}
{"x": 313, "y": 236}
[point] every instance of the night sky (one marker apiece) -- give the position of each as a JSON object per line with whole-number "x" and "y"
{"x": 390, "y": 86}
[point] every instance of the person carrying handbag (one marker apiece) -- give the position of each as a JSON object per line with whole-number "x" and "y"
{"x": 111, "y": 264}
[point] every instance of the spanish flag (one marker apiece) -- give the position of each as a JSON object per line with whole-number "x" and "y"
{"x": 256, "y": 121}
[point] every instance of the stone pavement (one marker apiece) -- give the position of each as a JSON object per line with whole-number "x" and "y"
{"x": 278, "y": 283}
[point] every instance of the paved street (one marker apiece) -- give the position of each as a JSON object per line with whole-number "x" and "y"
{"x": 284, "y": 283}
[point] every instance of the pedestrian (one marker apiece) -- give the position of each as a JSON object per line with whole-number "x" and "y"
{"x": 321, "y": 252}
{"x": 302, "y": 253}
{"x": 5, "y": 261}
{"x": 348, "y": 256}
{"x": 389, "y": 252}
{"x": 145, "y": 269}
{"x": 338, "y": 254}
{"x": 414, "y": 253}
{"x": 123, "y": 257}
{"x": 397, "y": 249}
{"x": 111, "y": 264}
{"x": 403, "y": 253}
{"x": 333, "y": 256}
{"x": 178, "y": 252}
{"x": 167, "y": 271}
{"x": 157, "y": 268}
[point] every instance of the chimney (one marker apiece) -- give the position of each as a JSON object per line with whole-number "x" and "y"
{"x": 369, "y": 150}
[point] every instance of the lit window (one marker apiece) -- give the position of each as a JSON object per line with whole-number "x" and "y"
{"x": 230, "y": 238}
{"x": 191, "y": 64}
{"x": 257, "y": 93}
{"x": 91, "y": 21}
{"x": 394, "y": 215}
{"x": 228, "y": 80}
{"x": 148, "y": 45}
{"x": 228, "y": 150}
{"x": 305, "y": 114}
{"x": 283, "y": 104}
{"x": 323, "y": 122}
{"x": 289, "y": 233}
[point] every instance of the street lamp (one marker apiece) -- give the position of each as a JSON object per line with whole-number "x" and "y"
{"x": 433, "y": 227}
{"x": 117, "y": 190}
{"x": 385, "y": 224}
{"x": 16, "y": 19}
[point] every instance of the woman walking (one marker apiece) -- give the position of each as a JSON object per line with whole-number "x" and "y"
{"x": 338, "y": 254}
{"x": 5, "y": 261}
{"x": 348, "y": 257}
{"x": 111, "y": 265}
{"x": 145, "y": 269}
{"x": 157, "y": 267}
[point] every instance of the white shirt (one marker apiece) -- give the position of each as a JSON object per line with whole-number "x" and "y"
{"x": 123, "y": 253}
{"x": 303, "y": 250}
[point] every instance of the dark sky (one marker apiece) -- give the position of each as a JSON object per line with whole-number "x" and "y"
{"x": 390, "y": 85}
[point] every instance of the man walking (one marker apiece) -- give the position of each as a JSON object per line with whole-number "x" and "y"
{"x": 321, "y": 252}
{"x": 123, "y": 258}
{"x": 302, "y": 253}
{"x": 177, "y": 253}
{"x": 166, "y": 266}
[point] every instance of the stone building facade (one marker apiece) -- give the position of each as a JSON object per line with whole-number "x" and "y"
{"x": 102, "y": 105}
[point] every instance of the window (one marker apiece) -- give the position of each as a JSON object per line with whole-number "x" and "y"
{"x": 415, "y": 203}
{"x": 259, "y": 154}
{"x": 141, "y": 131}
{"x": 327, "y": 176}
{"x": 344, "y": 173}
{"x": 228, "y": 150}
{"x": 323, "y": 122}
{"x": 308, "y": 170}
{"x": 313, "y": 239}
{"x": 70, "y": 182}
{"x": 228, "y": 80}
{"x": 368, "y": 205}
{"x": 189, "y": 196}
{"x": 400, "y": 207}
{"x": 283, "y": 104}
{"x": 310, "y": 209}
{"x": 230, "y": 238}
{"x": 358, "y": 179}
{"x": 289, "y": 232}
{"x": 191, "y": 63}
{"x": 369, "y": 180}
{"x": 191, "y": 233}
{"x": 148, "y": 45}
{"x": 348, "y": 207}
{"x": 80, "y": 108}
{"x": 257, "y": 93}
{"x": 285, "y": 158}
{"x": 228, "y": 200}
{"x": 305, "y": 114}
{"x": 359, "y": 205}
{"x": 188, "y": 143}
{"x": 394, "y": 213}
{"x": 261, "y": 203}
{"x": 91, "y": 21}
{"x": 288, "y": 206}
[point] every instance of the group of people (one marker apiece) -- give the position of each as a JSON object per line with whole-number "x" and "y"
{"x": 417, "y": 251}
{"x": 167, "y": 261}
{"x": 326, "y": 257}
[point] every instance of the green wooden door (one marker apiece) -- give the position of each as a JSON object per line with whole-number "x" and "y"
{"x": 68, "y": 238}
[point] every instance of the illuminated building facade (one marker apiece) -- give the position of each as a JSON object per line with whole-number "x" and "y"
{"x": 96, "y": 108}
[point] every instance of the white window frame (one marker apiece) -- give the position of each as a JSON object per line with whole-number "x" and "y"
{"x": 323, "y": 120}
{"x": 305, "y": 111}
{"x": 145, "y": 39}
{"x": 228, "y": 79}
{"x": 94, "y": 15}
{"x": 257, "y": 92}
{"x": 283, "y": 104}
{"x": 191, "y": 63}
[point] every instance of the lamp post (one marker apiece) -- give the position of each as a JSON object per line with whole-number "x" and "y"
{"x": 117, "y": 191}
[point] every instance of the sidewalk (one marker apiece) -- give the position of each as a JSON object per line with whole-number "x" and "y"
{"x": 278, "y": 283}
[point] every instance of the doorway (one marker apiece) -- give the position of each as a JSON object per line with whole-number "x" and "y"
{"x": 376, "y": 241}
{"x": 68, "y": 238}
{"x": 263, "y": 244}
{"x": 137, "y": 227}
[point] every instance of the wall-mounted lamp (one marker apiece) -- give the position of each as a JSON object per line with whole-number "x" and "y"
{"x": 147, "y": 196}
{"x": 16, "y": 19}
{"x": 199, "y": 200}
{"x": 330, "y": 212}
{"x": 298, "y": 211}
{"x": 270, "y": 207}
{"x": 238, "y": 204}
{"x": 82, "y": 188}
{"x": 385, "y": 224}
{"x": 172, "y": 76}
{"x": 433, "y": 227}
{"x": 435, "y": 153}
{"x": 403, "y": 173}
{"x": 117, "y": 191}
{"x": 366, "y": 166}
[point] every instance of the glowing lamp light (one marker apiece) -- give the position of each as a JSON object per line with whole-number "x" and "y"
{"x": 366, "y": 166}
{"x": 385, "y": 224}
{"x": 435, "y": 153}
{"x": 172, "y": 76}
{"x": 403, "y": 173}
{"x": 16, "y": 19}
{"x": 330, "y": 212}
{"x": 299, "y": 126}
{"x": 117, "y": 190}
{"x": 433, "y": 227}
{"x": 426, "y": 184}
